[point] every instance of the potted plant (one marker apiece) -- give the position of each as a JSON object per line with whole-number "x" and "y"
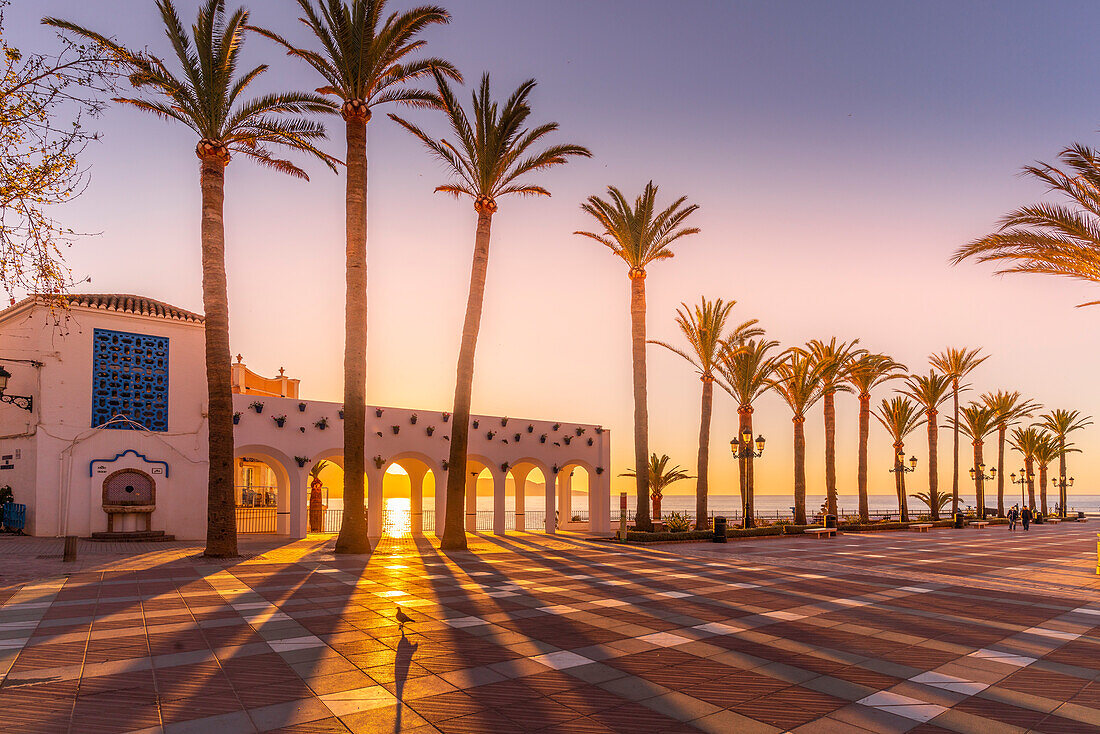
{"x": 396, "y": 429}
{"x": 379, "y": 462}
{"x": 322, "y": 424}
{"x": 280, "y": 420}
{"x": 378, "y": 412}
{"x": 302, "y": 460}
{"x": 530, "y": 428}
{"x": 301, "y": 407}
{"x": 580, "y": 431}
{"x": 475, "y": 424}
{"x": 589, "y": 440}
{"x": 340, "y": 413}
{"x": 555, "y": 468}
{"x": 557, "y": 426}
{"x": 446, "y": 417}
{"x": 446, "y": 465}
{"x": 236, "y": 418}
{"x": 490, "y": 435}
{"x": 316, "y": 498}
{"x": 257, "y": 406}
{"x": 504, "y": 422}
{"x": 516, "y": 438}
{"x": 567, "y": 439}
{"x": 599, "y": 429}
{"x": 430, "y": 430}
{"x": 542, "y": 438}
{"x": 302, "y": 429}
{"x": 599, "y": 470}
{"x": 504, "y": 467}
{"x": 412, "y": 419}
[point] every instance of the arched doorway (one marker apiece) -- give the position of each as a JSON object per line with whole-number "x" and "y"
{"x": 527, "y": 510}
{"x": 263, "y": 482}
{"x": 574, "y": 482}
{"x": 325, "y": 494}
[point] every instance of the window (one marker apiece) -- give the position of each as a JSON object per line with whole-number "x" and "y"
{"x": 129, "y": 380}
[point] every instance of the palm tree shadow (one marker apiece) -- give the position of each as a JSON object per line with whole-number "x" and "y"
{"x": 401, "y": 662}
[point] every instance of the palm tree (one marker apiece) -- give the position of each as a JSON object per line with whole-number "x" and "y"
{"x": 660, "y": 475}
{"x": 941, "y": 502}
{"x": 1046, "y": 451}
{"x": 745, "y": 369}
{"x": 956, "y": 364}
{"x": 1027, "y": 441}
{"x": 364, "y": 62}
{"x": 1046, "y": 238}
{"x": 800, "y": 380}
{"x": 836, "y": 360}
{"x": 930, "y": 391}
{"x": 977, "y": 421}
{"x": 1062, "y": 423}
{"x": 640, "y": 235}
{"x": 703, "y": 329}
{"x": 900, "y": 417}
{"x": 206, "y": 98}
{"x": 867, "y": 372}
{"x": 488, "y": 160}
{"x": 316, "y": 508}
{"x": 1009, "y": 408}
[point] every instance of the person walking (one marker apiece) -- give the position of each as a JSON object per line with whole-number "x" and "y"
{"x": 1013, "y": 514}
{"x": 1025, "y": 515}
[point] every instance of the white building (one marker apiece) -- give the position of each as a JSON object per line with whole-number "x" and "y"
{"x": 115, "y": 434}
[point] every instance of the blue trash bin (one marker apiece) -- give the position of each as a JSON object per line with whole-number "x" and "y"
{"x": 15, "y": 517}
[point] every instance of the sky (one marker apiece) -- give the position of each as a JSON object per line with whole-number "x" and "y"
{"x": 838, "y": 152}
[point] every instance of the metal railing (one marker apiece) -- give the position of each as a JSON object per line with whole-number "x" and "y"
{"x": 257, "y": 519}
{"x": 534, "y": 520}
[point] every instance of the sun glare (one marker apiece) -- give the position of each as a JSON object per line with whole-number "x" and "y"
{"x": 397, "y": 520}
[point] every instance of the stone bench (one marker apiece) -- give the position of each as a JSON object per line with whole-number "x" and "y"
{"x": 1054, "y": 520}
{"x": 923, "y": 527}
{"x": 980, "y": 524}
{"x": 821, "y": 532}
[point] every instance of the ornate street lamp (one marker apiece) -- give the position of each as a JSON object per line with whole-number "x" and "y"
{"x": 1061, "y": 483}
{"x": 26, "y": 402}
{"x": 742, "y": 448}
{"x": 899, "y": 465}
{"x": 979, "y": 476}
{"x": 1022, "y": 481}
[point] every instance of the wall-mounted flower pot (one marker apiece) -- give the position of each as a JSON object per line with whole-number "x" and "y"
{"x": 580, "y": 432}
{"x": 504, "y": 467}
{"x": 590, "y": 441}
{"x": 599, "y": 470}
{"x": 302, "y": 429}
{"x": 258, "y": 407}
{"x": 530, "y": 428}
{"x": 542, "y": 438}
{"x": 412, "y": 419}
{"x": 504, "y": 422}
{"x": 378, "y": 433}
{"x": 599, "y": 429}
{"x": 430, "y": 430}
{"x": 475, "y": 424}
{"x": 280, "y": 420}
{"x": 557, "y": 426}
{"x": 567, "y": 439}
{"x": 516, "y": 437}
{"x": 446, "y": 417}
{"x": 341, "y": 413}
{"x": 236, "y": 418}
{"x": 490, "y": 435}
{"x": 301, "y": 407}
{"x": 396, "y": 429}
{"x": 302, "y": 460}
{"x": 378, "y": 412}
{"x": 446, "y": 465}
{"x": 322, "y": 424}
{"x": 555, "y": 468}
{"x": 379, "y": 462}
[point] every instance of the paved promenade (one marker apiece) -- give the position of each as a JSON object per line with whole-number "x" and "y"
{"x": 950, "y": 631}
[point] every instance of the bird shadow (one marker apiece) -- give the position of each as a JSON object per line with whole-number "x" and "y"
{"x": 403, "y": 659}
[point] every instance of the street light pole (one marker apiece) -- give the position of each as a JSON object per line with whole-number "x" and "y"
{"x": 742, "y": 450}
{"x": 979, "y": 476}
{"x": 1061, "y": 483}
{"x": 1022, "y": 481}
{"x": 900, "y": 470}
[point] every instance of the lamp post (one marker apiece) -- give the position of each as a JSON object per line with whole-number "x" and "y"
{"x": 1061, "y": 483}
{"x": 900, "y": 470}
{"x": 25, "y": 402}
{"x": 742, "y": 449}
{"x": 980, "y": 477}
{"x": 1022, "y": 481}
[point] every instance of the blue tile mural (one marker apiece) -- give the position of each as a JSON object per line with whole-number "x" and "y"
{"x": 129, "y": 379}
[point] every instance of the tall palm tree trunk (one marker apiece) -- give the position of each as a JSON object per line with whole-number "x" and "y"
{"x": 353, "y": 527}
{"x": 799, "y": 470}
{"x": 861, "y": 470}
{"x": 933, "y": 464}
{"x": 221, "y": 522}
{"x": 641, "y": 406}
{"x": 1043, "y": 488}
{"x": 830, "y": 451}
{"x": 1062, "y": 474}
{"x": 1028, "y": 466}
{"x": 979, "y": 482}
{"x": 701, "y": 484}
{"x": 1001, "y": 429}
{"x": 748, "y": 489}
{"x": 899, "y": 481}
{"x": 955, "y": 464}
{"x": 904, "y": 500}
{"x": 454, "y": 535}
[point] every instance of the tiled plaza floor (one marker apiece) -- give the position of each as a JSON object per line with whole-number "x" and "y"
{"x": 954, "y": 630}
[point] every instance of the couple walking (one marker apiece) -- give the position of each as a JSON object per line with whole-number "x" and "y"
{"x": 1017, "y": 515}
